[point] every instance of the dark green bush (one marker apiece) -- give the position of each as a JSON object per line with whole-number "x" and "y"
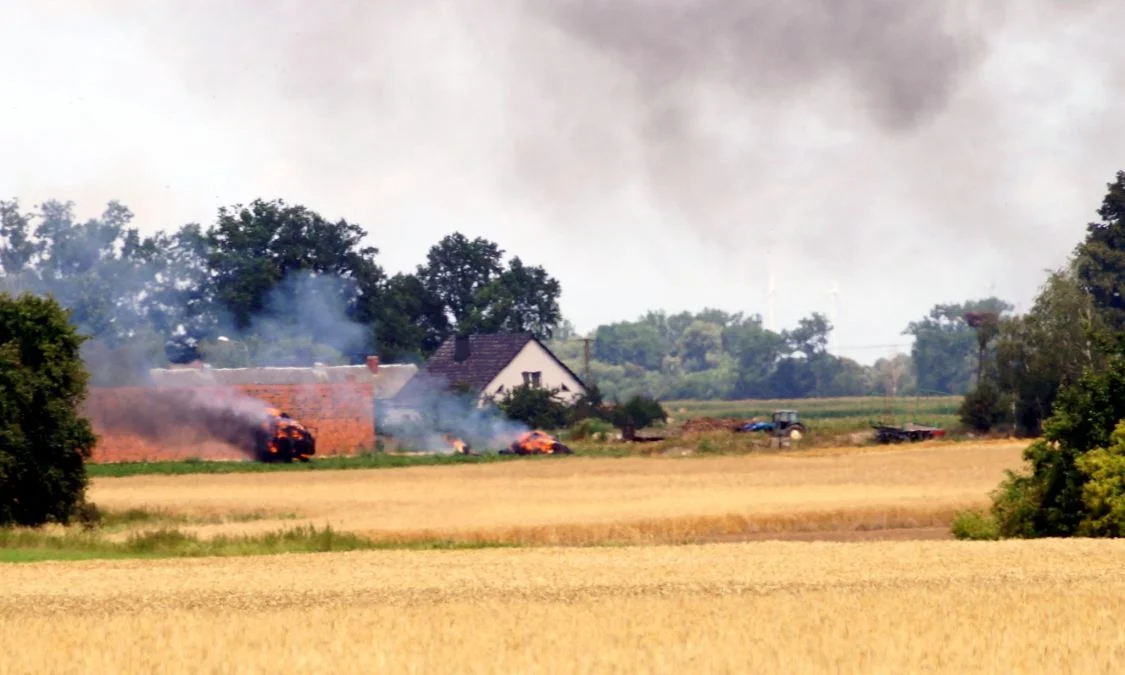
{"x": 1103, "y": 494}
{"x": 44, "y": 441}
{"x": 637, "y": 413}
{"x": 536, "y": 407}
{"x": 984, "y": 408}
{"x": 1053, "y": 497}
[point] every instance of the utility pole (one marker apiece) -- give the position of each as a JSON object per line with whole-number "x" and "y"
{"x": 586, "y": 361}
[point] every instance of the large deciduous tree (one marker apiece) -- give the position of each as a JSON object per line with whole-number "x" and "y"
{"x": 285, "y": 272}
{"x": 468, "y": 280}
{"x": 945, "y": 351}
{"x": 1100, "y": 258}
{"x": 44, "y": 440}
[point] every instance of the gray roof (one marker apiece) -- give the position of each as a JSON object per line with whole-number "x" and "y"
{"x": 392, "y": 378}
{"x": 388, "y": 381}
{"x": 488, "y": 355}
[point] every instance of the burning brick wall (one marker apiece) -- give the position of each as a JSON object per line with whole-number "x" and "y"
{"x": 336, "y": 403}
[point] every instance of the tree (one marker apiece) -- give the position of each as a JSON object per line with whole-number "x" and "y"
{"x": 468, "y": 280}
{"x": 757, "y": 351}
{"x": 636, "y": 413}
{"x": 700, "y": 346}
{"x": 283, "y": 271}
{"x": 1100, "y": 258}
{"x": 537, "y": 407}
{"x": 410, "y": 322}
{"x": 99, "y": 270}
{"x": 945, "y": 347}
{"x": 44, "y": 441}
{"x": 456, "y": 271}
{"x": 893, "y": 376}
{"x": 1048, "y": 500}
{"x": 1047, "y": 348}
{"x": 635, "y": 343}
{"x": 522, "y": 299}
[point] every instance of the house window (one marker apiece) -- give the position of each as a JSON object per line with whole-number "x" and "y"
{"x": 532, "y": 378}
{"x": 564, "y": 387}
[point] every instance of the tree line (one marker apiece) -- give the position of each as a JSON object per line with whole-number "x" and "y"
{"x": 267, "y": 283}
{"x": 713, "y": 354}
{"x": 1074, "y": 326}
{"x": 270, "y": 283}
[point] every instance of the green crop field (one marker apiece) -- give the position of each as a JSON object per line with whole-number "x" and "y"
{"x": 828, "y": 414}
{"x": 872, "y": 407}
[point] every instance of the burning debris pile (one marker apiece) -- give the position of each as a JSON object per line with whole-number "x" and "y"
{"x": 185, "y": 417}
{"x": 536, "y": 443}
{"x": 283, "y": 439}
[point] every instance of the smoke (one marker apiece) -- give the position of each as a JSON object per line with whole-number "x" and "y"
{"x": 428, "y": 410}
{"x": 183, "y": 417}
{"x": 306, "y": 318}
{"x": 939, "y": 133}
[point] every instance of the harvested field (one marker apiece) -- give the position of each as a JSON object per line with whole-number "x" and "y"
{"x": 583, "y": 501}
{"x": 1018, "y": 606}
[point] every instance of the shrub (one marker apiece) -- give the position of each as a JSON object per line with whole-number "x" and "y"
{"x": 534, "y": 406}
{"x": 1053, "y": 498}
{"x": 1016, "y": 506}
{"x": 637, "y": 413}
{"x": 590, "y": 427}
{"x": 44, "y": 441}
{"x": 1103, "y": 494}
{"x": 983, "y": 408}
{"x": 975, "y": 525}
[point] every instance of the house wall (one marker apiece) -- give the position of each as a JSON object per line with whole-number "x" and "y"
{"x": 534, "y": 357}
{"x": 340, "y": 415}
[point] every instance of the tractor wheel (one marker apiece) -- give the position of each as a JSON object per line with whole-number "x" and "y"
{"x": 560, "y": 449}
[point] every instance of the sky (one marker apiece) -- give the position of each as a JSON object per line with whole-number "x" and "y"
{"x": 650, "y": 155}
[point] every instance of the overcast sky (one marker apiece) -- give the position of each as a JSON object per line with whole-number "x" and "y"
{"x": 648, "y": 155}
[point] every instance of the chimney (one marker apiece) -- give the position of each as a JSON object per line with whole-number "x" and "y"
{"x": 373, "y": 364}
{"x": 460, "y": 348}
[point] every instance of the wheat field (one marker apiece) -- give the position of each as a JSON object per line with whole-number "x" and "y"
{"x": 583, "y": 500}
{"x": 871, "y": 607}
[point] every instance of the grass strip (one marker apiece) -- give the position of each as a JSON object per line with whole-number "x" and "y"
{"x": 22, "y": 545}
{"x": 367, "y": 461}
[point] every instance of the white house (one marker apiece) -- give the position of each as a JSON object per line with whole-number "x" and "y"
{"x": 490, "y": 365}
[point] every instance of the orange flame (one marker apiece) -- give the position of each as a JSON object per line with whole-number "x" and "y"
{"x": 536, "y": 443}
{"x": 460, "y": 447}
{"x": 281, "y": 428}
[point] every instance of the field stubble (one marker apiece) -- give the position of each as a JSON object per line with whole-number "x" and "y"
{"x": 578, "y": 501}
{"x": 1021, "y": 606}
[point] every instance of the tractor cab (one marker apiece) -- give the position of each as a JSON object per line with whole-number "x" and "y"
{"x": 785, "y": 420}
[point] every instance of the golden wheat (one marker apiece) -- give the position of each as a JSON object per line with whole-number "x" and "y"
{"x": 581, "y": 501}
{"x": 1041, "y": 606}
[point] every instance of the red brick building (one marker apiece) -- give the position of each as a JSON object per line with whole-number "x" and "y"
{"x": 336, "y": 402}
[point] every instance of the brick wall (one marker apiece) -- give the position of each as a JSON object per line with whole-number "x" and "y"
{"x": 340, "y": 415}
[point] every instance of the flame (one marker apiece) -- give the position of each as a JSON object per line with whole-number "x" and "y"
{"x": 284, "y": 431}
{"x": 460, "y": 447}
{"x": 537, "y": 442}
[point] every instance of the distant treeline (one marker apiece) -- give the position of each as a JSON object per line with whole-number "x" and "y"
{"x": 271, "y": 283}
{"x": 713, "y": 354}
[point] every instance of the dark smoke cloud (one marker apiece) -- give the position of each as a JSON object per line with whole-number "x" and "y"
{"x": 904, "y": 58}
{"x": 182, "y": 417}
{"x": 849, "y": 140}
